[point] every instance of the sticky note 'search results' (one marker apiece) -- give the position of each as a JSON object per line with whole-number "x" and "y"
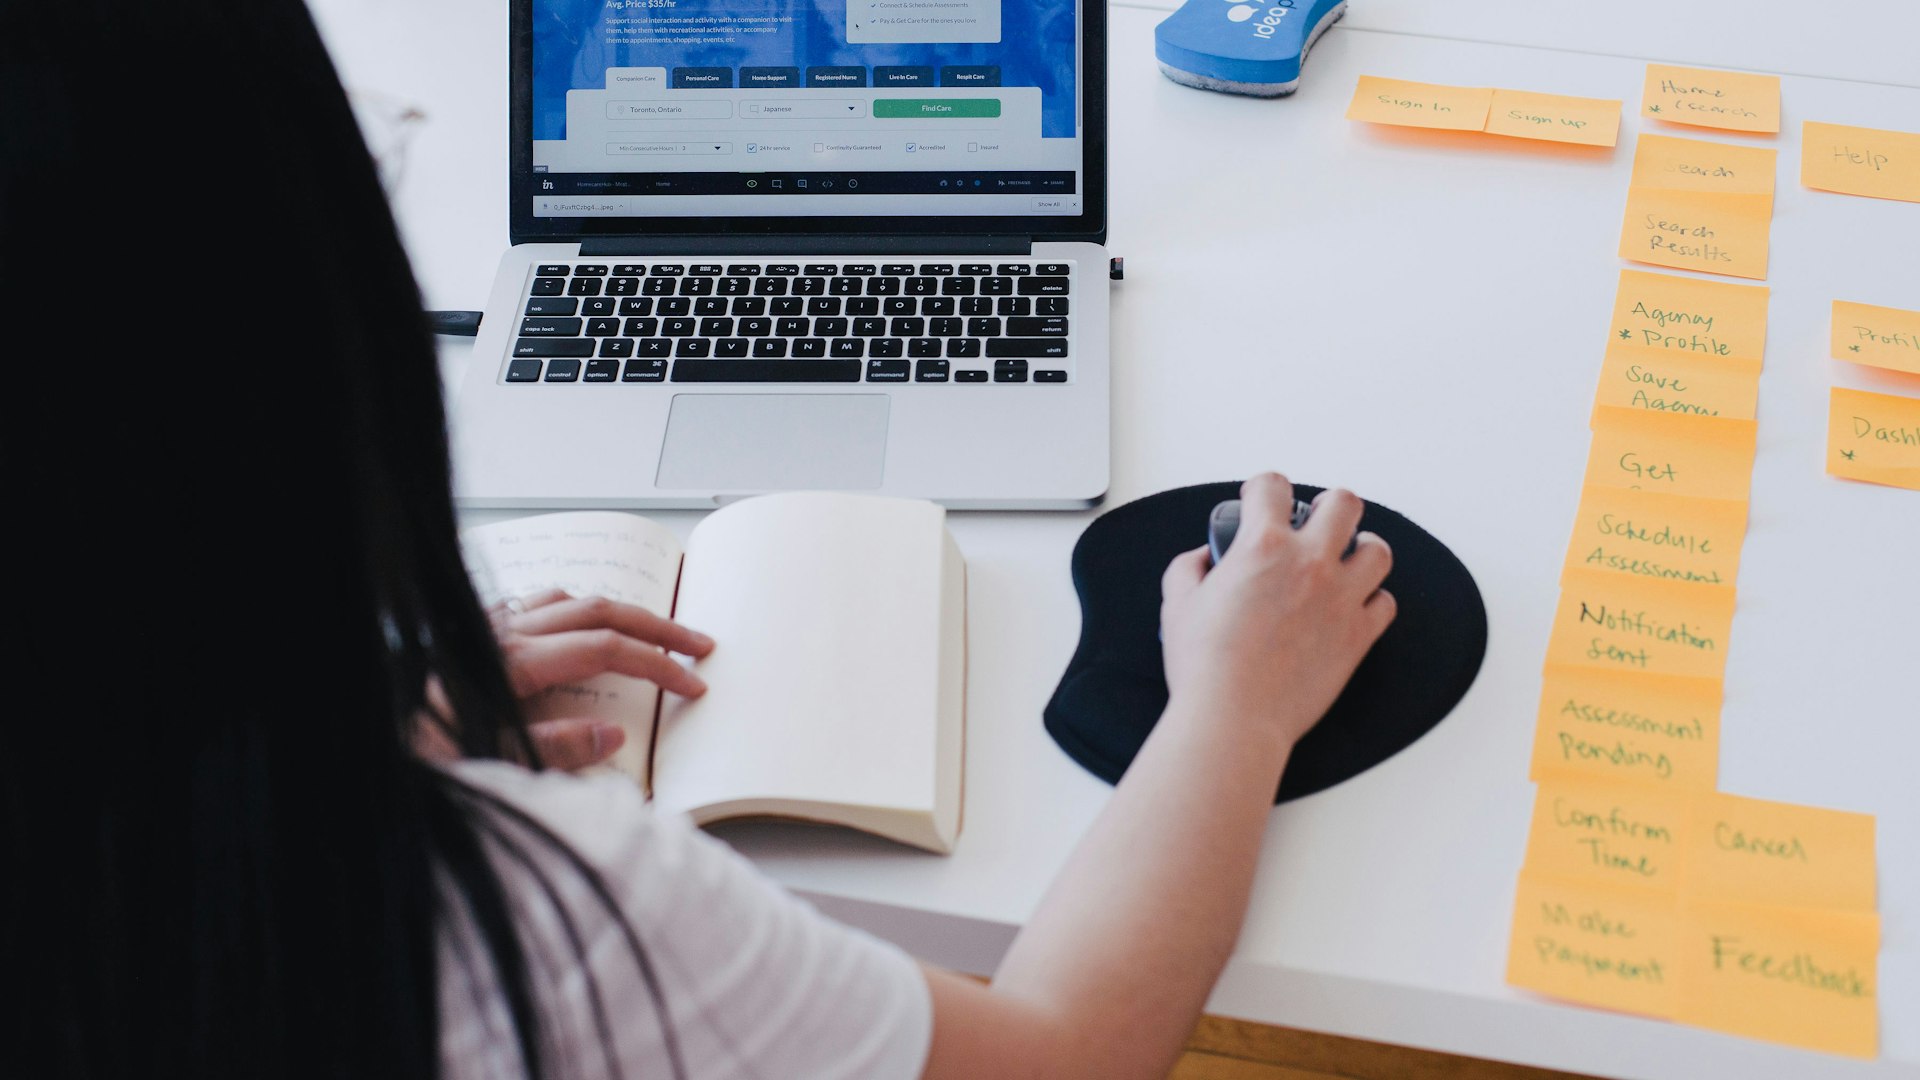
{"x": 1874, "y": 437}
{"x": 1697, "y": 205}
{"x": 1860, "y": 161}
{"x": 1882, "y": 337}
{"x": 1728, "y": 100}
{"x": 1517, "y": 113}
{"x": 1627, "y": 728}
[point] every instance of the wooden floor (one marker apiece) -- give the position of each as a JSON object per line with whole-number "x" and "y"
{"x": 1238, "y": 1050}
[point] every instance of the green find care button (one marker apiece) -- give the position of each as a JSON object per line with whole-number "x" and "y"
{"x": 924, "y": 108}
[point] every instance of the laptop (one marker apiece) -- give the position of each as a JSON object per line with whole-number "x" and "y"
{"x": 798, "y": 244}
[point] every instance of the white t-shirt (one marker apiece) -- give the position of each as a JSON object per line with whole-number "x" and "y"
{"x": 753, "y": 982}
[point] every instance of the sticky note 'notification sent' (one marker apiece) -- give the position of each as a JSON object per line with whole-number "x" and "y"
{"x": 899, "y": 22}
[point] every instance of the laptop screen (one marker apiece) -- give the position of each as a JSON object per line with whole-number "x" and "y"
{"x": 807, "y": 108}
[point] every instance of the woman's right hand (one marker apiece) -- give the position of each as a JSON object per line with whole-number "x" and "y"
{"x": 1274, "y": 632}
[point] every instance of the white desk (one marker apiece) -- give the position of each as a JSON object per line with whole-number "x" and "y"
{"x": 1420, "y": 318}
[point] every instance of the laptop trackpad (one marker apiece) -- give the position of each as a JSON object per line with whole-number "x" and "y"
{"x": 774, "y": 442}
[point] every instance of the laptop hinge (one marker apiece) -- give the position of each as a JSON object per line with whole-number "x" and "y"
{"x": 794, "y": 244}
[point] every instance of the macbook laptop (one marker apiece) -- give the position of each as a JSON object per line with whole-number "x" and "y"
{"x": 784, "y": 244}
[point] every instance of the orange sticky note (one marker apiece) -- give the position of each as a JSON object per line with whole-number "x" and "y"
{"x": 1425, "y": 105}
{"x": 1610, "y": 833}
{"x": 1608, "y": 945}
{"x": 1884, "y": 337}
{"x": 1663, "y": 161}
{"x": 1554, "y": 117}
{"x": 1618, "y": 622}
{"x": 1632, "y": 377}
{"x": 1799, "y": 976}
{"x": 1728, "y": 100}
{"x": 1860, "y": 161}
{"x": 1874, "y": 437}
{"x": 1624, "y": 727}
{"x": 1679, "y": 455}
{"x": 1757, "y": 851}
{"x": 1697, "y": 230}
{"x": 1708, "y": 320}
{"x": 1649, "y": 534}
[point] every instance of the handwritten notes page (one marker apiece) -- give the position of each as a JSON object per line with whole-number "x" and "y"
{"x": 1874, "y": 437}
{"x": 1860, "y": 161}
{"x": 1728, "y": 100}
{"x": 1517, "y": 113}
{"x": 1698, "y": 205}
{"x": 1882, "y": 337}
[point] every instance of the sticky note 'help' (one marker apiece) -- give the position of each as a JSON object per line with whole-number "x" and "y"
{"x": 1415, "y": 104}
{"x": 1860, "y": 161}
{"x": 1874, "y": 437}
{"x": 1728, "y": 100}
{"x": 1883, "y": 337}
{"x": 1554, "y": 117}
{"x": 1628, "y": 728}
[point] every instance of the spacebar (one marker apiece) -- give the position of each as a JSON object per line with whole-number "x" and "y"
{"x": 766, "y": 371}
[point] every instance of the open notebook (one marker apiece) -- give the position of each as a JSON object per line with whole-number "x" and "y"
{"x": 836, "y": 687}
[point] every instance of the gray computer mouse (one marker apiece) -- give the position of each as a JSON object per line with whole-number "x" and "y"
{"x": 1224, "y": 522}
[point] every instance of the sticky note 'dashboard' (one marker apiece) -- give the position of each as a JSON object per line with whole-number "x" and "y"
{"x": 1608, "y": 945}
{"x": 1727, "y": 100}
{"x": 1415, "y": 104}
{"x": 1554, "y": 117}
{"x": 1860, "y": 161}
{"x": 1882, "y": 337}
{"x": 1627, "y": 728}
{"x": 1874, "y": 437}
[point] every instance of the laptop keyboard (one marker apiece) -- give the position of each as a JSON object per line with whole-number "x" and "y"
{"x": 1002, "y": 322}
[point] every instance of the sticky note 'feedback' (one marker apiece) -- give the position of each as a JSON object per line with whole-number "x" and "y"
{"x": 1679, "y": 455}
{"x": 1710, "y": 320}
{"x": 1620, "y": 623}
{"x": 1874, "y": 437}
{"x": 1883, "y": 337}
{"x": 1608, "y": 945}
{"x": 1757, "y": 851}
{"x": 1799, "y": 976}
{"x": 1648, "y": 534}
{"x": 1626, "y": 727}
{"x": 1554, "y": 117}
{"x": 1728, "y": 100}
{"x": 1416, "y": 104}
{"x": 1860, "y": 161}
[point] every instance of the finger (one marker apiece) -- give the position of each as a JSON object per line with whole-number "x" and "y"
{"x": 542, "y": 599}
{"x": 1379, "y": 611}
{"x": 598, "y": 612}
{"x": 543, "y": 660}
{"x": 1335, "y": 516}
{"x": 1266, "y": 504}
{"x": 1183, "y": 574}
{"x": 1370, "y": 563}
{"x": 575, "y": 744}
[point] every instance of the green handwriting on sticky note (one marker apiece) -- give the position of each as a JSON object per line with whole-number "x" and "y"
{"x": 1874, "y": 437}
{"x": 1697, "y": 230}
{"x": 1662, "y": 161}
{"x": 1608, "y": 833}
{"x": 1608, "y": 945}
{"x": 1707, "y": 320}
{"x": 1414, "y": 104}
{"x": 1647, "y": 534}
{"x": 1617, "y": 622}
{"x": 1799, "y": 976}
{"x": 1632, "y": 377}
{"x": 1673, "y": 454}
{"x": 1882, "y": 337}
{"x": 1554, "y": 118}
{"x": 1728, "y": 100}
{"x": 1780, "y": 853}
{"x": 1629, "y": 728}
{"x": 1860, "y": 161}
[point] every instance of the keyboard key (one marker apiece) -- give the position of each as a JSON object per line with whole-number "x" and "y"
{"x": 732, "y": 348}
{"x": 783, "y": 269}
{"x": 846, "y": 347}
{"x": 675, "y": 305}
{"x": 523, "y": 371}
{"x": 830, "y": 327}
{"x": 962, "y": 347}
{"x": 669, "y": 270}
{"x": 756, "y": 327}
{"x": 770, "y": 286}
{"x": 922, "y": 286}
{"x": 747, "y": 269}
{"x": 554, "y": 346}
{"x": 888, "y": 347}
{"x": 548, "y": 286}
{"x": 602, "y": 371}
{"x": 887, "y": 371}
{"x": 1053, "y": 269}
{"x": 650, "y": 348}
{"x": 976, "y": 269}
{"x": 618, "y": 347}
{"x": 936, "y": 269}
{"x": 749, "y": 305}
{"x": 983, "y": 327}
{"x": 1049, "y": 326}
{"x": 860, "y": 269}
{"x": 734, "y": 286}
{"x": 822, "y": 269}
{"x": 976, "y": 305}
{"x": 923, "y": 346}
{"x": 656, "y": 286}
{"x": 787, "y": 305}
{"x": 559, "y": 305}
{"x": 1050, "y": 348}
{"x": 812, "y": 348}
{"x": 970, "y": 375}
{"x": 824, "y": 305}
{"x": 769, "y": 348}
{"x": 1009, "y": 371}
{"x": 581, "y": 286}
{"x": 809, "y": 286}
{"x": 677, "y": 327}
{"x": 896, "y": 269}
{"x": 947, "y": 327}
{"x": 628, "y": 270}
{"x": 696, "y": 286}
{"x": 602, "y": 327}
{"x": 766, "y": 371}
{"x": 956, "y": 286}
{"x": 930, "y": 371}
{"x": 883, "y": 286}
{"x": 710, "y": 305}
{"x": 937, "y": 305}
{"x": 642, "y": 327}
{"x": 563, "y": 371}
{"x": 1012, "y": 269}
{"x": 791, "y": 327}
{"x": 550, "y": 327}
{"x": 1044, "y": 286}
{"x": 590, "y": 270}
{"x": 1050, "y": 305}
{"x": 843, "y": 286}
{"x": 1049, "y": 375}
{"x": 598, "y": 305}
{"x": 693, "y": 346}
{"x": 644, "y": 371}
{"x": 996, "y": 286}
{"x": 907, "y": 327}
{"x": 900, "y": 305}
{"x": 1014, "y": 305}
{"x": 637, "y": 305}
{"x": 863, "y": 305}
{"x": 716, "y": 327}
{"x": 553, "y": 269}
{"x": 623, "y": 286}
{"x": 873, "y": 327}
{"x": 706, "y": 269}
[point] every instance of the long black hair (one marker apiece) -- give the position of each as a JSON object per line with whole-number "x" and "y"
{"x": 236, "y": 571}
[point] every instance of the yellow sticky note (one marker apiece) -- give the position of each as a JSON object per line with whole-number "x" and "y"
{"x": 1874, "y": 437}
{"x": 1710, "y": 320}
{"x": 1881, "y": 336}
{"x": 1758, "y": 851}
{"x": 1860, "y": 161}
{"x": 1607, "y": 945}
{"x": 1632, "y": 377}
{"x": 1414, "y": 104}
{"x": 1728, "y": 100}
{"x": 1624, "y": 727}
{"x": 1679, "y": 455}
{"x": 1662, "y": 161}
{"x": 1617, "y": 622}
{"x": 1611, "y": 833}
{"x": 1554, "y": 117}
{"x": 1798, "y": 976}
{"x": 1648, "y": 534}
{"x": 1697, "y": 230}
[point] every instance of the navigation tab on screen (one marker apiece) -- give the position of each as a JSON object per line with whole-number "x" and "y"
{"x": 836, "y": 76}
{"x": 703, "y": 78}
{"x": 769, "y": 78}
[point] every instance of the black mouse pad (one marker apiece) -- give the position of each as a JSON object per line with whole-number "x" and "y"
{"x": 1115, "y": 686}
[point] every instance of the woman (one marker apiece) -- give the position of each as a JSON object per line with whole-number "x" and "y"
{"x": 279, "y": 814}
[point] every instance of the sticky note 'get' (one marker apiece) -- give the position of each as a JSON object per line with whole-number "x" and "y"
{"x": 1882, "y": 337}
{"x": 1620, "y": 623}
{"x": 1554, "y": 117}
{"x": 1627, "y": 728}
{"x": 1697, "y": 230}
{"x": 1860, "y": 161}
{"x": 1709, "y": 320}
{"x": 1728, "y": 100}
{"x": 1415, "y": 104}
{"x": 1758, "y": 851}
{"x": 1874, "y": 437}
{"x": 1608, "y": 945}
{"x": 1798, "y": 976}
{"x": 1678, "y": 455}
